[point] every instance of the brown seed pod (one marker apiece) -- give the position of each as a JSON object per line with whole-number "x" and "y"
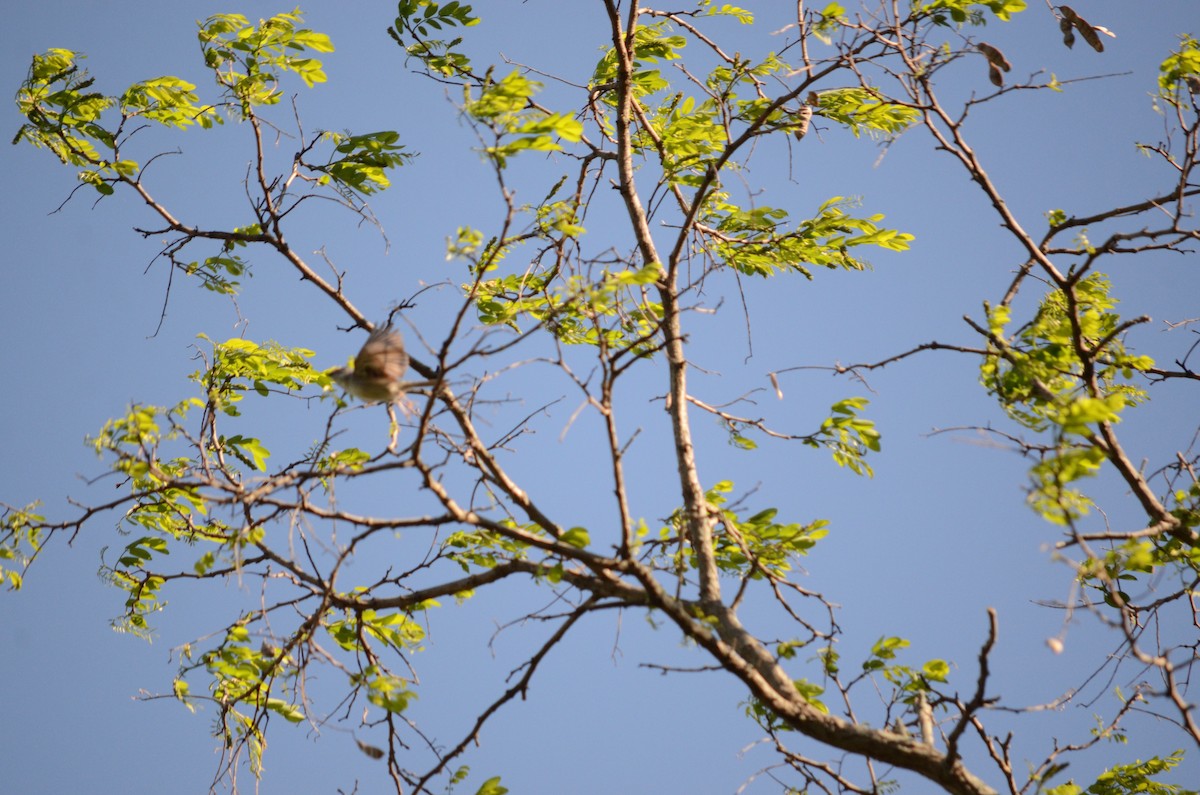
{"x": 1089, "y": 35}
{"x": 370, "y": 750}
{"x": 994, "y": 56}
{"x": 800, "y": 126}
{"x": 1068, "y": 32}
{"x": 995, "y": 75}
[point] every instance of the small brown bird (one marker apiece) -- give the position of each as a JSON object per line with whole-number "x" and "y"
{"x": 378, "y": 368}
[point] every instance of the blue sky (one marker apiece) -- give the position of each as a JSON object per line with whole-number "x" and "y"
{"x": 940, "y": 534}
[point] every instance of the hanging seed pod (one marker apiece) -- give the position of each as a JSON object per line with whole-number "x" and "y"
{"x": 994, "y": 56}
{"x": 1068, "y": 32}
{"x": 370, "y": 750}
{"x": 1072, "y": 20}
{"x": 802, "y": 119}
{"x": 995, "y": 76}
{"x": 1089, "y": 34}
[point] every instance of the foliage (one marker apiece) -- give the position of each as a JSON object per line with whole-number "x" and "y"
{"x": 1130, "y": 778}
{"x": 661, "y": 136}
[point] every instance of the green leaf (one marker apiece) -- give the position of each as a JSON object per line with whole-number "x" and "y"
{"x": 20, "y": 539}
{"x": 886, "y": 648}
{"x": 577, "y": 537}
{"x": 1135, "y": 777}
{"x": 651, "y": 44}
{"x": 505, "y": 107}
{"x": 1181, "y": 64}
{"x": 385, "y": 690}
{"x": 170, "y": 101}
{"x": 826, "y": 21}
{"x": 862, "y": 111}
{"x": 249, "y": 451}
{"x": 936, "y": 670}
{"x": 291, "y": 712}
{"x": 491, "y": 787}
{"x": 758, "y": 241}
{"x": 205, "y": 562}
{"x": 248, "y": 60}
{"x": 810, "y": 692}
{"x": 965, "y": 11}
{"x": 725, "y": 10}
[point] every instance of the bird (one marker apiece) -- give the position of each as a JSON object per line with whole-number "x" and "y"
{"x": 376, "y": 374}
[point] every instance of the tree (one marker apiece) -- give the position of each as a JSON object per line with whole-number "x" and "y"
{"x": 630, "y": 225}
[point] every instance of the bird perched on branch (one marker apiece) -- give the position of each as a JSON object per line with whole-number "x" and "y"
{"x": 376, "y": 374}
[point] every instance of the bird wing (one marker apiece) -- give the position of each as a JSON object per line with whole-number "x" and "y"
{"x": 382, "y": 356}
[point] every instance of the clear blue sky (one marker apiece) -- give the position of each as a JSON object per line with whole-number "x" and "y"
{"x": 920, "y": 551}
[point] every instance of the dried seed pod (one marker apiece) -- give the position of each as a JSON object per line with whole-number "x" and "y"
{"x": 995, "y": 76}
{"x": 775, "y": 383}
{"x": 994, "y": 56}
{"x": 1068, "y": 32}
{"x": 1072, "y": 20}
{"x": 800, "y": 126}
{"x": 1089, "y": 35}
{"x": 369, "y": 750}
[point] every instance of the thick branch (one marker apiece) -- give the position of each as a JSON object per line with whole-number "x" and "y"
{"x": 696, "y": 515}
